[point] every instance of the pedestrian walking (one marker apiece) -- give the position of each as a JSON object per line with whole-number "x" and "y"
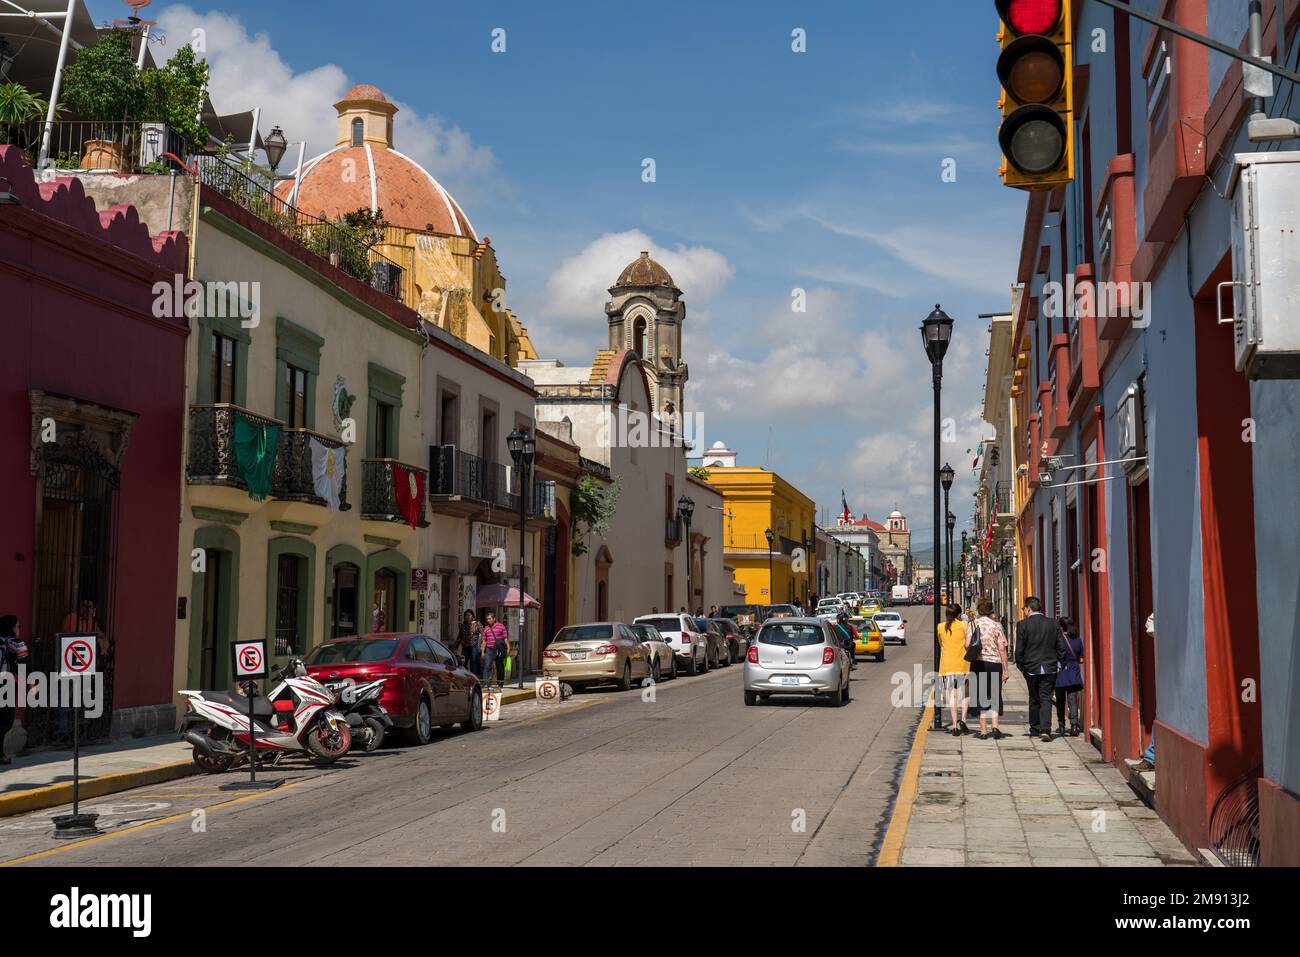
{"x": 1148, "y": 762}
{"x": 1069, "y": 680}
{"x": 496, "y": 648}
{"x": 990, "y": 669}
{"x": 1039, "y": 646}
{"x": 469, "y": 634}
{"x": 12, "y": 649}
{"x": 954, "y": 669}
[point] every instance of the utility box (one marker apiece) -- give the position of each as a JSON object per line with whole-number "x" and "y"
{"x": 1265, "y": 195}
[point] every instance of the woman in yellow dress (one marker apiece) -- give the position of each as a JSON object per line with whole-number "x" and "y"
{"x": 953, "y": 668}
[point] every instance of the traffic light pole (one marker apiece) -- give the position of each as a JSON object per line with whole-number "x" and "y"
{"x": 1215, "y": 45}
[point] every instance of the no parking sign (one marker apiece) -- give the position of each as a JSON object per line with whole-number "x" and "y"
{"x": 76, "y": 655}
{"x": 250, "y": 659}
{"x": 548, "y": 689}
{"x": 491, "y": 706}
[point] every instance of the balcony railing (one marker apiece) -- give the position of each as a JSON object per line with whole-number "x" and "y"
{"x": 1004, "y": 501}
{"x": 211, "y": 456}
{"x": 672, "y": 530}
{"x": 293, "y": 478}
{"x": 136, "y": 147}
{"x": 542, "y": 502}
{"x": 335, "y": 242}
{"x": 454, "y": 473}
{"x": 379, "y": 501}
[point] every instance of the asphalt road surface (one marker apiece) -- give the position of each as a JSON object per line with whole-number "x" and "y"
{"x": 685, "y": 776}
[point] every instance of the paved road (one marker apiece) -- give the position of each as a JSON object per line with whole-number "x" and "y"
{"x": 690, "y": 777}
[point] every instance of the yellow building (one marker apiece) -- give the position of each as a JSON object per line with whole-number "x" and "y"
{"x": 756, "y": 501}
{"x": 436, "y": 263}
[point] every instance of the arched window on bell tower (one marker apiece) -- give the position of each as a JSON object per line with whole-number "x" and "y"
{"x": 638, "y": 336}
{"x": 358, "y": 132}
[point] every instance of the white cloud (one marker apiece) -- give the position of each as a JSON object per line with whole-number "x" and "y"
{"x": 246, "y": 72}
{"x": 572, "y": 324}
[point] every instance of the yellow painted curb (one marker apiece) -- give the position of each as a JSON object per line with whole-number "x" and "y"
{"x": 54, "y": 795}
{"x": 892, "y": 847}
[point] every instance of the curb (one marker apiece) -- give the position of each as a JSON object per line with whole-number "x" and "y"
{"x": 56, "y": 795}
{"x": 891, "y": 849}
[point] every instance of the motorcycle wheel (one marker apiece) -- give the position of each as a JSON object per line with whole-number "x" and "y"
{"x": 214, "y": 764}
{"x": 376, "y": 737}
{"x": 327, "y": 748}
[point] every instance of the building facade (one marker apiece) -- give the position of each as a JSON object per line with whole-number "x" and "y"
{"x": 93, "y": 413}
{"x": 1154, "y": 508}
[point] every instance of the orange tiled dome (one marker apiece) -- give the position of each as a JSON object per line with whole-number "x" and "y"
{"x": 373, "y": 175}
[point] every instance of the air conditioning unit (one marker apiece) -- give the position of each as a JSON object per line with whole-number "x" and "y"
{"x": 1265, "y": 195}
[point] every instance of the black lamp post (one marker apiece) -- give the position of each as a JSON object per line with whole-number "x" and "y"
{"x": 771, "y": 579}
{"x": 275, "y": 145}
{"x": 523, "y": 449}
{"x": 954, "y": 582}
{"x": 685, "y": 509}
{"x": 936, "y": 333}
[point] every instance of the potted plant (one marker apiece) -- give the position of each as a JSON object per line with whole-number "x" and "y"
{"x": 103, "y": 87}
{"x": 20, "y": 109}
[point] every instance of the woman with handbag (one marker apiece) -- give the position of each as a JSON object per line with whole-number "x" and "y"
{"x": 1069, "y": 680}
{"x": 954, "y": 669}
{"x": 989, "y": 646}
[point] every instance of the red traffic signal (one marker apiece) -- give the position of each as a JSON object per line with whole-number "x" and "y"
{"x": 1031, "y": 16}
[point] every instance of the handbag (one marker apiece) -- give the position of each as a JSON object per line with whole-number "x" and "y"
{"x": 974, "y": 645}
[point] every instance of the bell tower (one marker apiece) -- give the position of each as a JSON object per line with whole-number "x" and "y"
{"x": 645, "y": 313}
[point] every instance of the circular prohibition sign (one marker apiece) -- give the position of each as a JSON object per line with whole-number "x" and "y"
{"x": 78, "y": 656}
{"x": 250, "y": 659}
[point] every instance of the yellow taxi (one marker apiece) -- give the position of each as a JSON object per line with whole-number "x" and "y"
{"x": 870, "y": 607}
{"x": 869, "y": 641}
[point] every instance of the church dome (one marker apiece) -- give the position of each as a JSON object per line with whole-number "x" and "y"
{"x": 363, "y": 171}
{"x": 644, "y": 271}
{"x": 895, "y": 514}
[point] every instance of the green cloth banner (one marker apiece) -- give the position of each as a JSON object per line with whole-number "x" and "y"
{"x": 255, "y": 445}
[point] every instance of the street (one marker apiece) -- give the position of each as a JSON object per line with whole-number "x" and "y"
{"x": 692, "y": 777}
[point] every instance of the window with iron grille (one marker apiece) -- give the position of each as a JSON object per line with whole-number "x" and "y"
{"x": 286, "y": 606}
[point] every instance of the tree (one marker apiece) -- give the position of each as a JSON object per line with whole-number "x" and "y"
{"x": 592, "y": 504}
{"x": 102, "y": 85}
{"x": 174, "y": 95}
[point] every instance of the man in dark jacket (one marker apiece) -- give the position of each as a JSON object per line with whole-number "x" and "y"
{"x": 1039, "y": 646}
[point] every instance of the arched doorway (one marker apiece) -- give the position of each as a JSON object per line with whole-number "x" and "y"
{"x": 345, "y": 589}
{"x": 603, "y": 561}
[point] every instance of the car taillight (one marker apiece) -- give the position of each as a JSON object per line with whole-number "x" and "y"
{"x": 828, "y": 656}
{"x": 752, "y": 655}
{"x": 607, "y": 650}
{"x": 550, "y": 653}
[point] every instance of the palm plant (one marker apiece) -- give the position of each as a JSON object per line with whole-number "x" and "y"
{"x": 20, "y": 110}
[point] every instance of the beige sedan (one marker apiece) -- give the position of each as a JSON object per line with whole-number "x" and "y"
{"x": 598, "y": 653}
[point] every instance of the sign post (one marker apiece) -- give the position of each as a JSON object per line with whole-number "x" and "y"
{"x": 77, "y": 662}
{"x": 250, "y": 663}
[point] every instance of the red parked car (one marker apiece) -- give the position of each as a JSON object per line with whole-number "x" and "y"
{"x": 425, "y": 685}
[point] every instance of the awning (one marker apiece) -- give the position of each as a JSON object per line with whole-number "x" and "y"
{"x": 30, "y": 49}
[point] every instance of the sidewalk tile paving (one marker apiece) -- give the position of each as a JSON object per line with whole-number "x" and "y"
{"x": 1021, "y": 802}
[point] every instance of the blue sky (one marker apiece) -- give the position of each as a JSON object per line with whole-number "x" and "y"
{"x": 775, "y": 170}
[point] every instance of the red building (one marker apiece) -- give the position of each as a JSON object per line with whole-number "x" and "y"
{"x": 92, "y": 395}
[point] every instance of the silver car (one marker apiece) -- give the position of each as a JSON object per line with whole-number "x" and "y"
{"x": 796, "y": 656}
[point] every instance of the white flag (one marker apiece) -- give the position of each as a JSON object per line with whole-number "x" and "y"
{"x": 327, "y": 467}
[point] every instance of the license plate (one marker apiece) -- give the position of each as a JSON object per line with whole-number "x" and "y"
{"x": 788, "y": 679}
{"x": 578, "y": 656}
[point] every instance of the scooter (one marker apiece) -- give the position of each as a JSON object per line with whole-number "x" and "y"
{"x": 299, "y": 714}
{"x": 366, "y": 717}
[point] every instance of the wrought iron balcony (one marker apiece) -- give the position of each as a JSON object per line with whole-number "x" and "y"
{"x": 210, "y": 460}
{"x": 542, "y": 502}
{"x": 379, "y": 499}
{"x": 462, "y": 482}
{"x": 1004, "y": 502}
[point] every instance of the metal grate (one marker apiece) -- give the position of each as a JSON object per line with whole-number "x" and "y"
{"x": 76, "y": 559}
{"x": 1234, "y": 821}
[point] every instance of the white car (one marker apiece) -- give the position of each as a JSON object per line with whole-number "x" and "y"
{"x": 829, "y": 608}
{"x": 689, "y": 645}
{"x": 892, "y": 626}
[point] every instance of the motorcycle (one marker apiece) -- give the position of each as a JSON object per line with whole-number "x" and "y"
{"x": 366, "y": 717}
{"x": 299, "y": 714}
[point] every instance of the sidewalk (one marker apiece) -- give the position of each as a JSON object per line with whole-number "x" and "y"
{"x": 1021, "y": 802}
{"x": 43, "y": 779}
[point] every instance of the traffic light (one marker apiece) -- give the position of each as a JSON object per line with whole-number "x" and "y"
{"x": 1036, "y": 69}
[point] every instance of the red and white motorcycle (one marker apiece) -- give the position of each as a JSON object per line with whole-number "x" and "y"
{"x": 298, "y": 714}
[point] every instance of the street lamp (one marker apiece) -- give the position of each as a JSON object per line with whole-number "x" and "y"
{"x": 936, "y": 333}
{"x": 952, "y": 565}
{"x": 275, "y": 144}
{"x": 523, "y": 449}
{"x": 945, "y": 480}
{"x": 685, "y": 509}
{"x": 770, "y": 577}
